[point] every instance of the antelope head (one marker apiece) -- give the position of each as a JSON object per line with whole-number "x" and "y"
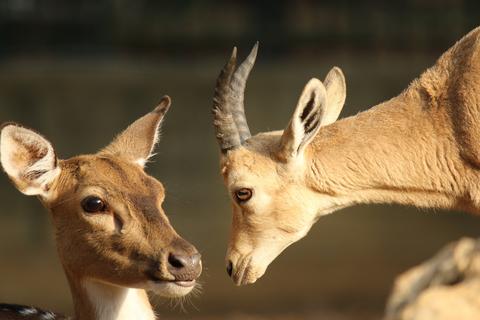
{"x": 107, "y": 212}
{"x": 265, "y": 175}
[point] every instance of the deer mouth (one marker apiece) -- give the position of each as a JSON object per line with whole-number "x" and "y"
{"x": 171, "y": 288}
{"x": 186, "y": 283}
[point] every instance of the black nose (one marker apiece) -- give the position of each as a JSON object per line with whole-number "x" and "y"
{"x": 186, "y": 266}
{"x": 183, "y": 261}
{"x": 229, "y": 268}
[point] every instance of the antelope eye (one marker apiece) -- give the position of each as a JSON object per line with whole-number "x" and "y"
{"x": 92, "y": 204}
{"x": 243, "y": 194}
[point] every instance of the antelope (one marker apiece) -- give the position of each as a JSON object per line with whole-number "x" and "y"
{"x": 113, "y": 238}
{"x": 420, "y": 148}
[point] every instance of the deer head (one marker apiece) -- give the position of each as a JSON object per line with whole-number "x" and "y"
{"x": 107, "y": 212}
{"x": 266, "y": 174}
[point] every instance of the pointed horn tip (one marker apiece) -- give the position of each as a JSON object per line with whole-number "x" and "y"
{"x": 233, "y": 56}
{"x": 255, "y": 46}
{"x": 253, "y": 52}
{"x": 163, "y": 105}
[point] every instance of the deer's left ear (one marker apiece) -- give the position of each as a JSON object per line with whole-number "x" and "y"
{"x": 137, "y": 142}
{"x": 305, "y": 122}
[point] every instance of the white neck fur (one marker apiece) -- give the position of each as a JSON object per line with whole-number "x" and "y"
{"x": 118, "y": 303}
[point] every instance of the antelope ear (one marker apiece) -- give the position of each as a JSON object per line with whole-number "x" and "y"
{"x": 305, "y": 122}
{"x": 28, "y": 159}
{"x": 336, "y": 93}
{"x": 137, "y": 142}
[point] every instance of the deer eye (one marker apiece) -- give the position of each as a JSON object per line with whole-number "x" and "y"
{"x": 92, "y": 204}
{"x": 243, "y": 194}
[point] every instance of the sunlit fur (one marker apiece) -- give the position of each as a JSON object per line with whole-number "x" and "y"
{"x": 111, "y": 257}
{"x": 421, "y": 148}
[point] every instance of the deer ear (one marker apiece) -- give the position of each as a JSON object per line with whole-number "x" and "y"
{"x": 306, "y": 120}
{"x": 137, "y": 142}
{"x": 28, "y": 159}
{"x": 336, "y": 93}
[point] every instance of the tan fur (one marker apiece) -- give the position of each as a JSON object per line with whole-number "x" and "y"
{"x": 420, "y": 148}
{"x": 110, "y": 257}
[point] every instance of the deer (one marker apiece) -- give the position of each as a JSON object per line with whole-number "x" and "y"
{"x": 113, "y": 238}
{"x": 420, "y": 148}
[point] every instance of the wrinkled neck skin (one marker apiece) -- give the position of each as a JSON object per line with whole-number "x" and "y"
{"x": 100, "y": 301}
{"x": 402, "y": 151}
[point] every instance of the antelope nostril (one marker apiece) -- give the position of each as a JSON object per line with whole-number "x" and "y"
{"x": 176, "y": 262}
{"x": 229, "y": 268}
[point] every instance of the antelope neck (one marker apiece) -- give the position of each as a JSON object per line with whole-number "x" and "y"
{"x": 396, "y": 152}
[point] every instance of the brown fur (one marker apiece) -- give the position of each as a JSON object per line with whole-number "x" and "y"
{"x": 128, "y": 244}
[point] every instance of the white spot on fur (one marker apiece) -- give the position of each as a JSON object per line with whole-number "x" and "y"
{"x": 141, "y": 162}
{"x": 28, "y": 311}
{"x": 48, "y": 316}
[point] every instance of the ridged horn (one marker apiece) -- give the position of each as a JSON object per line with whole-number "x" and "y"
{"x": 229, "y": 120}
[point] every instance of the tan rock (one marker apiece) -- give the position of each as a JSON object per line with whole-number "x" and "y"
{"x": 446, "y": 287}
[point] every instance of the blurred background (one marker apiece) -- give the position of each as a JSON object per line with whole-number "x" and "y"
{"x": 80, "y": 71}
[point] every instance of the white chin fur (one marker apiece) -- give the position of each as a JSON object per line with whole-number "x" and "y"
{"x": 170, "y": 289}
